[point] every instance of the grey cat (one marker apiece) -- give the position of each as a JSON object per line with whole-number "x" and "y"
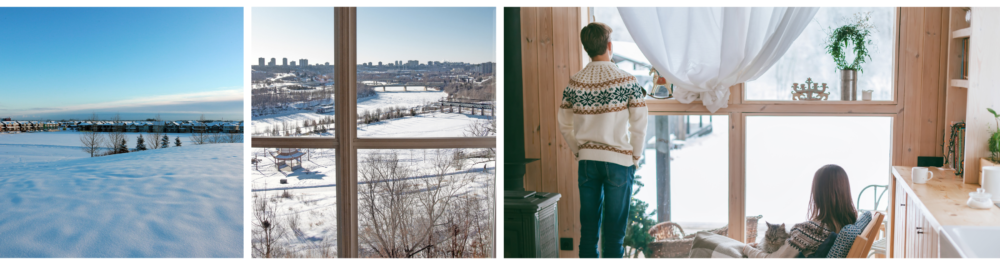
{"x": 773, "y": 238}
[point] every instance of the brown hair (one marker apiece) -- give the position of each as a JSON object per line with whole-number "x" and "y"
{"x": 595, "y": 37}
{"x": 830, "y": 201}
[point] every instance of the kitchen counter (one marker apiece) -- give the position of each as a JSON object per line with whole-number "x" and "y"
{"x": 944, "y": 198}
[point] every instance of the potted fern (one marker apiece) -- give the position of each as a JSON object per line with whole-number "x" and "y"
{"x": 857, "y": 33}
{"x": 993, "y": 145}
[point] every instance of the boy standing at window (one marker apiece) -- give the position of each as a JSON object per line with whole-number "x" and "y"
{"x": 603, "y": 119}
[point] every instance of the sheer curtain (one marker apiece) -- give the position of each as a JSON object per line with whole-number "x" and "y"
{"x": 705, "y": 50}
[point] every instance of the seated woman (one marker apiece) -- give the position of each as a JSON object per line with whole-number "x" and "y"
{"x": 830, "y": 209}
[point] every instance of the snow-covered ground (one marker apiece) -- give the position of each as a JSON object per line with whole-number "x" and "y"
{"x": 394, "y": 97}
{"x": 175, "y": 202}
{"x": 312, "y": 191}
{"x": 55, "y": 146}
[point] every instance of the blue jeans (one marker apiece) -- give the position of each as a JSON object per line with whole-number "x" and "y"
{"x": 604, "y": 187}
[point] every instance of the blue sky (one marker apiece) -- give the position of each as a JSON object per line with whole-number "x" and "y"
{"x": 465, "y": 34}
{"x": 68, "y": 62}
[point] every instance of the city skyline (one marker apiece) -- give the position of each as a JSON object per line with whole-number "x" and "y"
{"x": 454, "y": 34}
{"x": 293, "y": 62}
{"x": 71, "y": 62}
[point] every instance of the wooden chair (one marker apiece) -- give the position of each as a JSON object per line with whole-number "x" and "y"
{"x": 863, "y": 243}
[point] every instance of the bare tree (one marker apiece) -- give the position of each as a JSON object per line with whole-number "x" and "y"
{"x": 116, "y": 136}
{"x": 199, "y": 138}
{"x": 402, "y": 217}
{"x": 266, "y": 228}
{"x": 92, "y": 140}
{"x": 233, "y": 138}
{"x": 484, "y": 128}
{"x": 155, "y": 133}
{"x": 385, "y": 206}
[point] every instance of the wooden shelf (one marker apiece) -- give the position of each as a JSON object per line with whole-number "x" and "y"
{"x": 960, "y": 83}
{"x": 961, "y": 33}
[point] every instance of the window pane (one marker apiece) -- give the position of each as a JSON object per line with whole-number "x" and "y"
{"x": 807, "y": 58}
{"x": 426, "y": 203}
{"x": 301, "y": 212}
{"x": 426, "y": 72}
{"x": 292, "y": 79}
{"x": 690, "y": 155}
{"x": 783, "y": 154}
{"x": 626, "y": 54}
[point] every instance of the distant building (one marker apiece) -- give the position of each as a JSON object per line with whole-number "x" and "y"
{"x": 272, "y": 63}
{"x": 260, "y": 61}
{"x": 284, "y": 61}
{"x": 486, "y": 68}
{"x": 303, "y": 62}
{"x": 327, "y": 64}
{"x": 379, "y": 63}
{"x": 293, "y": 63}
{"x": 413, "y": 63}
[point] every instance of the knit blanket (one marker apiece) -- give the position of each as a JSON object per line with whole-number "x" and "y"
{"x": 807, "y": 236}
{"x": 711, "y": 245}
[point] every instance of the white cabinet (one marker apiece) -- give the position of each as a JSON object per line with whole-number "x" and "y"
{"x": 915, "y": 236}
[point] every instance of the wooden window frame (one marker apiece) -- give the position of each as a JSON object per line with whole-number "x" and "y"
{"x": 740, "y": 108}
{"x": 346, "y": 141}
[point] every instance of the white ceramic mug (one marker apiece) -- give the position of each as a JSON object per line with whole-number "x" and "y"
{"x": 866, "y": 95}
{"x": 921, "y": 175}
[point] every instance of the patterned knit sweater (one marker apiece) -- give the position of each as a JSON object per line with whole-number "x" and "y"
{"x": 603, "y": 115}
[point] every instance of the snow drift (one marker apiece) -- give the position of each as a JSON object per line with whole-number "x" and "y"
{"x": 175, "y": 202}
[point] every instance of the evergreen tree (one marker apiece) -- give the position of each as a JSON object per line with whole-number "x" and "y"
{"x": 140, "y": 144}
{"x": 177, "y": 141}
{"x": 123, "y": 148}
{"x": 165, "y": 142}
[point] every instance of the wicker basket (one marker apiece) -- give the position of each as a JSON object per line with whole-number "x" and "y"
{"x": 666, "y": 230}
{"x": 669, "y": 244}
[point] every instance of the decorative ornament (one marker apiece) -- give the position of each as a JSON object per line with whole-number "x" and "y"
{"x": 809, "y": 91}
{"x": 661, "y": 88}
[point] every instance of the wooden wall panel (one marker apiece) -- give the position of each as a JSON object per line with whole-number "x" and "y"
{"x": 984, "y": 87}
{"x": 920, "y": 77}
{"x": 551, "y": 38}
{"x": 529, "y": 66}
{"x": 532, "y": 127}
{"x": 931, "y": 84}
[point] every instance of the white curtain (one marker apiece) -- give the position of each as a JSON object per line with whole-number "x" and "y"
{"x": 705, "y": 50}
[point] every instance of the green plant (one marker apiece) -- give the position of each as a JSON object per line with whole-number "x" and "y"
{"x": 856, "y": 33}
{"x": 637, "y": 235}
{"x": 994, "y": 141}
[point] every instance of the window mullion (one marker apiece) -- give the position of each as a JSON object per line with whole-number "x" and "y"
{"x": 345, "y": 75}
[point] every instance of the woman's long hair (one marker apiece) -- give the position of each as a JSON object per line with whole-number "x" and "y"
{"x": 830, "y": 201}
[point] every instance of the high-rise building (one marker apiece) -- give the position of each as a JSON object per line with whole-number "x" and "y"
{"x": 284, "y": 61}
{"x": 327, "y": 64}
{"x": 486, "y": 68}
{"x": 304, "y": 62}
{"x": 412, "y": 63}
{"x": 379, "y": 63}
{"x": 271, "y": 63}
{"x": 293, "y": 63}
{"x": 260, "y": 61}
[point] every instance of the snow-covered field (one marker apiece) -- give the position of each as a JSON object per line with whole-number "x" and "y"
{"x": 55, "y": 146}
{"x": 175, "y": 202}
{"x": 312, "y": 191}
{"x": 395, "y": 97}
